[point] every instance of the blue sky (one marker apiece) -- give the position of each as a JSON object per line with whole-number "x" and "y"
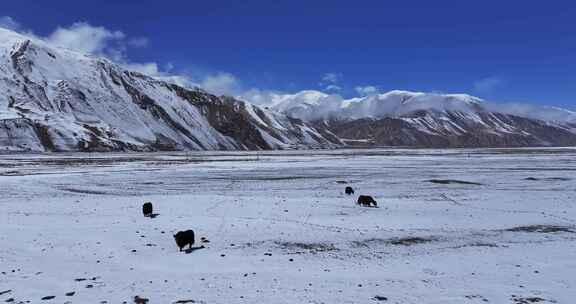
{"x": 506, "y": 51}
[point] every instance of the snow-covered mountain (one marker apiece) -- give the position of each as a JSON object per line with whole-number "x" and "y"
{"x": 54, "y": 99}
{"x": 401, "y": 118}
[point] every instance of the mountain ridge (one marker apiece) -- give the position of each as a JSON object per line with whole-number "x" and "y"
{"x": 53, "y": 99}
{"x": 416, "y": 119}
{"x": 316, "y": 101}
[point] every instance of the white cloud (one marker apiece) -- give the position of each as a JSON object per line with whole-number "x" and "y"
{"x": 331, "y": 78}
{"x": 85, "y": 38}
{"x": 221, "y": 84}
{"x": 329, "y": 82}
{"x": 113, "y": 44}
{"x": 545, "y": 113}
{"x": 366, "y": 90}
{"x": 100, "y": 41}
{"x": 150, "y": 68}
{"x": 8, "y": 22}
{"x": 332, "y": 88}
{"x": 488, "y": 84}
{"x": 260, "y": 97}
{"x": 139, "y": 42}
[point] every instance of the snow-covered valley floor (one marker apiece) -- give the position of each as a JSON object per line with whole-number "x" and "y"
{"x": 281, "y": 230}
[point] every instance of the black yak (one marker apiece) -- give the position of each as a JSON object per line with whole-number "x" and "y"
{"x": 139, "y": 300}
{"x": 147, "y": 209}
{"x": 367, "y": 201}
{"x": 184, "y": 238}
{"x": 349, "y": 190}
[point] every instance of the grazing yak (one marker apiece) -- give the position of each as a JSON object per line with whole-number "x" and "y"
{"x": 367, "y": 201}
{"x": 184, "y": 238}
{"x": 349, "y": 190}
{"x": 139, "y": 300}
{"x": 147, "y": 209}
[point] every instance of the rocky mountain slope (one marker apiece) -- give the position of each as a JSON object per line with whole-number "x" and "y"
{"x": 400, "y": 118}
{"x": 53, "y": 99}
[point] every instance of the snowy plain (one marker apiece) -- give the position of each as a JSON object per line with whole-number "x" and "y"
{"x": 281, "y": 230}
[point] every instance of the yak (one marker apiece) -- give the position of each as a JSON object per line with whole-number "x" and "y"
{"x": 367, "y": 201}
{"x": 147, "y": 209}
{"x": 184, "y": 238}
{"x": 349, "y": 190}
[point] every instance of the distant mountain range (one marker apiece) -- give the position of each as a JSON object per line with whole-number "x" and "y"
{"x": 54, "y": 99}
{"x": 400, "y": 118}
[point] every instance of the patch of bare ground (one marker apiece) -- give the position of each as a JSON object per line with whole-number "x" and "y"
{"x": 403, "y": 241}
{"x": 563, "y": 179}
{"x": 269, "y": 178}
{"x": 487, "y": 245}
{"x": 409, "y": 241}
{"x": 84, "y": 191}
{"x": 542, "y": 229}
{"x": 453, "y": 181}
{"x": 530, "y": 300}
{"x": 5, "y": 292}
{"x": 10, "y": 173}
{"x": 298, "y": 247}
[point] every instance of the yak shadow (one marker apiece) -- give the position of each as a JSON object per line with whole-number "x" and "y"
{"x": 152, "y": 216}
{"x": 190, "y": 250}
